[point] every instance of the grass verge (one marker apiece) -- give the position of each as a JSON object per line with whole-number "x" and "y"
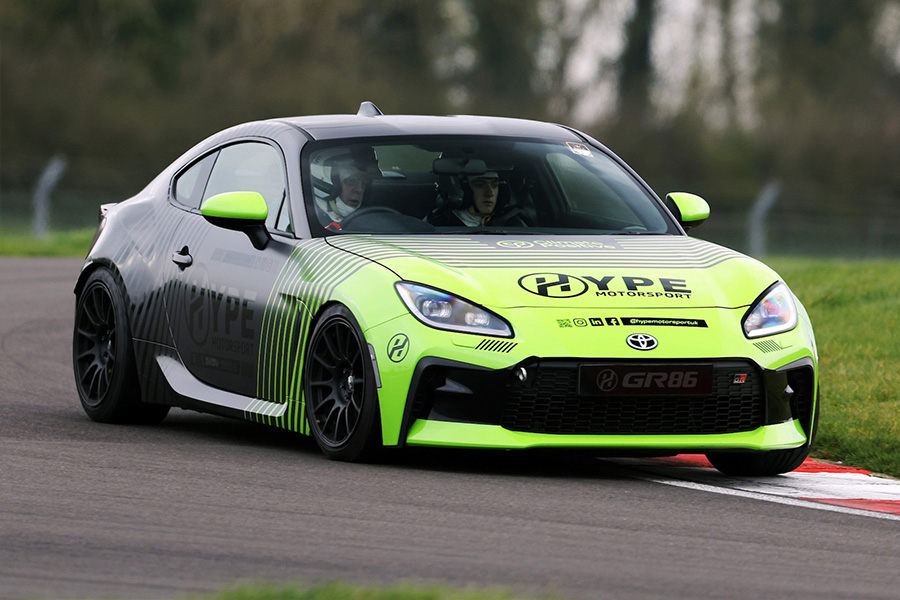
{"x": 345, "y": 591}
{"x": 75, "y": 242}
{"x": 855, "y": 311}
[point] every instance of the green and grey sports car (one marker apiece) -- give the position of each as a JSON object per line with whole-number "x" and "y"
{"x": 382, "y": 281}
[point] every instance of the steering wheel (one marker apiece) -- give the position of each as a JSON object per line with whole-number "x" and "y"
{"x": 367, "y": 211}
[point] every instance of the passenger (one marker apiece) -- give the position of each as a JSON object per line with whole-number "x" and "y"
{"x": 479, "y": 203}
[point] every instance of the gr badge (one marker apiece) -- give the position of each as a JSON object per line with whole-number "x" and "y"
{"x": 398, "y": 347}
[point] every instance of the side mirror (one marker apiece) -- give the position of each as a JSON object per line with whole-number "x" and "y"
{"x": 239, "y": 211}
{"x": 690, "y": 210}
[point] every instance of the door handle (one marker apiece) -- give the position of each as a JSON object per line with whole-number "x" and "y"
{"x": 182, "y": 258}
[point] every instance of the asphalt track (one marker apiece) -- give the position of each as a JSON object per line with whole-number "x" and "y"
{"x": 199, "y": 502}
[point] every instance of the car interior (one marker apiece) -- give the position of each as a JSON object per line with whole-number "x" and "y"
{"x": 544, "y": 186}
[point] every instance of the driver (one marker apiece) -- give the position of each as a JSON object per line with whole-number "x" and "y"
{"x": 479, "y": 202}
{"x": 351, "y": 179}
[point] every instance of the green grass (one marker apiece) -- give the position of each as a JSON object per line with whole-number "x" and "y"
{"x": 345, "y": 591}
{"x": 75, "y": 242}
{"x": 855, "y": 310}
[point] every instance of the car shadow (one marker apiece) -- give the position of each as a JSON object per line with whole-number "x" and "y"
{"x": 189, "y": 427}
{"x": 213, "y": 428}
{"x": 546, "y": 463}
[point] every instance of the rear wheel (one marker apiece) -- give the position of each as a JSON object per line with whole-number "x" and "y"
{"x": 103, "y": 357}
{"x": 339, "y": 386}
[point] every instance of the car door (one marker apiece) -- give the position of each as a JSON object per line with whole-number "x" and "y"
{"x": 218, "y": 300}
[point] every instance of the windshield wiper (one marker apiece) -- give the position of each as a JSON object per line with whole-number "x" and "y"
{"x": 496, "y": 230}
{"x": 489, "y": 231}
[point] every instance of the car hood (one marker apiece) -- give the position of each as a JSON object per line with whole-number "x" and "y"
{"x": 635, "y": 271}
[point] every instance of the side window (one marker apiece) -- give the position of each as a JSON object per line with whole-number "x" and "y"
{"x": 189, "y": 185}
{"x": 284, "y": 218}
{"x": 252, "y": 167}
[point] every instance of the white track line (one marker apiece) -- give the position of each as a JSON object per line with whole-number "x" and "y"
{"x": 766, "y": 497}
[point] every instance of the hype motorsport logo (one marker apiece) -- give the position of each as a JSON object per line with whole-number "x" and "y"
{"x": 398, "y": 347}
{"x": 562, "y": 285}
{"x": 553, "y": 285}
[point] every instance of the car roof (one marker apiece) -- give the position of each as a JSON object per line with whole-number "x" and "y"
{"x": 330, "y": 127}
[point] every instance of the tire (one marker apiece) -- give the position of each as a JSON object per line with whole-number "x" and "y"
{"x": 103, "y": 356}
{"x": 773, "y": 462}
{"x": 339, "y": 389}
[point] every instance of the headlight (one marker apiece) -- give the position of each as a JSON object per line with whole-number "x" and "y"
{"x": 443, "y": 311}
{"x": 773, "y": 313}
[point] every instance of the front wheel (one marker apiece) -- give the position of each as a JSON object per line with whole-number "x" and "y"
{"x": 339, "y": 388}
{"x": 103, "y": 358}
{"x": 773, "y": 462}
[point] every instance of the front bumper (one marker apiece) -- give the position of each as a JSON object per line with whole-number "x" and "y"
{"x": 471, "y": 435}
{"x": 536, "y": 403}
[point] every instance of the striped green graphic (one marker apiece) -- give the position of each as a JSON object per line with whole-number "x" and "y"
{"x": 306, "y": 282}
{"x": 671, "y": 252}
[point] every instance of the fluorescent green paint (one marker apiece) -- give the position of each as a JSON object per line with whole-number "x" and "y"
{"x": 470, "y": 435}
{"x": 244, "y": 206}
{"x": 534, "y": 338}
{"x": 649, "y": 277}
{"x": 692, "y": 208}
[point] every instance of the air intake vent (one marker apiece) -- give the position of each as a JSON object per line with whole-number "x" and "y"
{"x": 496, "y": 346}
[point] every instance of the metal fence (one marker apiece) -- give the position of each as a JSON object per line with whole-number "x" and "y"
{"x": 791, "y": 227}
{"x": 807, "y": 231}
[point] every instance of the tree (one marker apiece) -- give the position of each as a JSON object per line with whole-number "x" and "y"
{"x": 828, "y": 101}
{"x": 635, "y": 65}
{"x": 504, "y": 40}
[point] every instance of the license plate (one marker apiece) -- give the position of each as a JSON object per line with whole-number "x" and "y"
{"x": 645, "y": 380}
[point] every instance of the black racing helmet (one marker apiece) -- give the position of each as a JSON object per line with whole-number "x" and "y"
{"x": 359, "y": 161}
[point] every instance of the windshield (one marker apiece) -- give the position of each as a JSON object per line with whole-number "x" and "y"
{"x": 474, "y": 185}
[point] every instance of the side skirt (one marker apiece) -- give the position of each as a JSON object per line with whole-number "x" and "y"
{"x": 191, "y": 393}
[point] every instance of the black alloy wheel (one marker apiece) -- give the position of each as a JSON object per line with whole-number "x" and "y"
{"x": 95, "y": 344}
{"x": 102, "y": 356}
{"x": 341, "y": 403}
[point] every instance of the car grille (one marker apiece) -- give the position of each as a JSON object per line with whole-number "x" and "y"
{"x": 549, "y": 403}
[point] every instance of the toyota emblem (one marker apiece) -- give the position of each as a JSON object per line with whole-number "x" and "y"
{"x": 641, "y": 341}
